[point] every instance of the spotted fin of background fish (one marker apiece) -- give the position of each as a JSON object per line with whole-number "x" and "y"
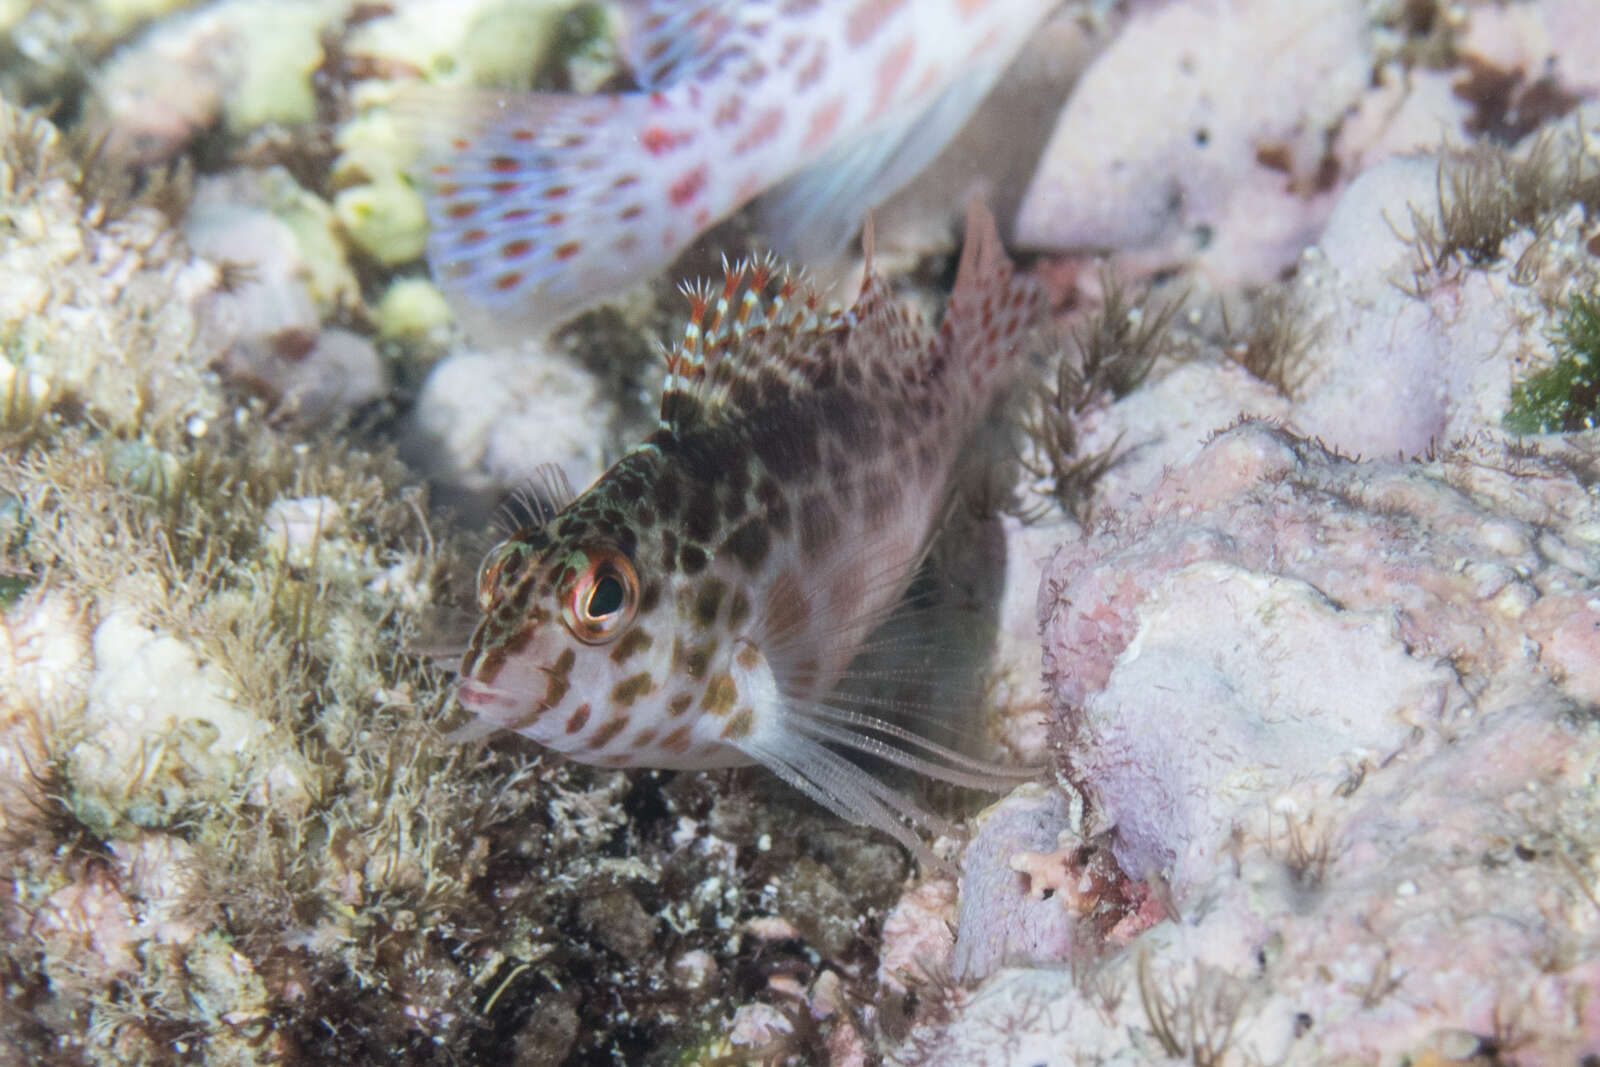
{"x": 542, "y": 204}
{"x": 698, "y": 605}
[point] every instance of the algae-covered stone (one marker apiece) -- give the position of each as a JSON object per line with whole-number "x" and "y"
{"x": 385, "y": 219}
{"x": 414, "y": 312}
{"x": 476, "y": 42}
{"x": 372, "y": 145}
{"x": 282, "y": 48}
{"x": 328, "y": 275}
{"x": 161, "y": 728}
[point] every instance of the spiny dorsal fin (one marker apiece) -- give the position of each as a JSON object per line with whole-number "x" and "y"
{"x": 762, "y": 323}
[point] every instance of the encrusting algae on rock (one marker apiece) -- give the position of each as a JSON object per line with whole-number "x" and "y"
{"x": 696, "y": 606}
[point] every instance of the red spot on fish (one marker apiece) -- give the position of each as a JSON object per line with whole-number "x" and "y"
{"x": 658, "y": 141}
{"x": 812, "y": 73}
{"x": 516, "y": 249}
{"x": 890, "y": 73}
{"x": 504, "y": 187}
{"x": 762, "y": 130}
{"x": 555, "y": 218}
{"x": 687, "y": 187}
{"x": 626, "y": 244}
{"x": 625, "y": 180}
{"x": 823, "y": 124}
{"x": 753, "y": 74}
{"x": 464, "y": 210}
{"x": 867, "y": 18}
{"x": 632, "y": 211}
{"x": 702, "y": 218}
{"x": 460, "y": 144}
{"x": 556, "y": 192}
{"x": 508, "y": 281}
{"x": 505, "y": 164}
{"x": 516, "y": 214}
{"x": 522, "y": 135}
{"x": 658, "y": 99}
{"x": 968, "y": 8}
{"x": 791, "y": 50}
{"x": 447, "y": 189}
{"x": 929, "y": 80}
{"x": 473, "y": 236}
{"x": 987, "y": 41}
{"x": 567, "y": 250}
{"x": 728, "y": 112}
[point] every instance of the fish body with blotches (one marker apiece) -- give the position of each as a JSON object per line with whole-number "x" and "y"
{"x": 697, "y": 606}
{"x": 544, "y": 203}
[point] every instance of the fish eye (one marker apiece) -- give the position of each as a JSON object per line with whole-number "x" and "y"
{"x": 603, "y": 599}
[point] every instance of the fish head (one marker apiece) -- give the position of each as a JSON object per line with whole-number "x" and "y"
{"x": 554, "y": 610}
{"x": 592, "y": 644}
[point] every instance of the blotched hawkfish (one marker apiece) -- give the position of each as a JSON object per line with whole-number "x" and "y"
{"x": 696, "y": 606}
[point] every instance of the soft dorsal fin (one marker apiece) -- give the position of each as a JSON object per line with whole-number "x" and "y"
{"x": 666, "y": 40}
{"x": 761, "y": 327}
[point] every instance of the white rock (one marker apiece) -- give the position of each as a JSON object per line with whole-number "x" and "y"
{"x": 1157, "y": 150}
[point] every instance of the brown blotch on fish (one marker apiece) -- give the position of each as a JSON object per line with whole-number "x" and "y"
{"x": 489, "y": 665}
{"x": 579, "y": 719}
{"x": 679, "y": 704}
{"x": 693, "y": 659}
{"x": 738, "y": 610}
{"x": 603, "y": 736}
{"x": 666, "y": 492}
{"x": 648, "y": 596}
{"x": 749, "y": 544}
{"x": 819, "y": 527}
{"x": 693, "y": 559}
{"x": 631, "y": 688}
{"x": 700, "y": 523}
{"x": 677, "y": 740}
{"x": 708, "y": 601}
{"x": 519, "y": 640}
{"x": 748, "y": 657}
{"x": 739, "y": 726}
{"x": 643, "y": 739}
{"x": 770, "y": 496}
{"x": 558, "y": 684}
{"x": 721, "y": 692}
{"x": 634, "y": 641}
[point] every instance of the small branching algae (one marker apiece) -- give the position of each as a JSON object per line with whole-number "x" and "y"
{"x": 1485, "y": 193}
{"x": 1110, "y": 356}
{"x": 1564, "y": 397}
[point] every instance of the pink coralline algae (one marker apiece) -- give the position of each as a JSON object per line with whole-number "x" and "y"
{"x": 1336, "y": 722}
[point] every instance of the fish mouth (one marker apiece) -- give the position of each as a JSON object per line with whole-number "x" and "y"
{"x": 479, "y": 697}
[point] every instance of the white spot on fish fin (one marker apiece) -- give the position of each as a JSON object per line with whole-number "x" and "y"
{"x": 543, "y": 204}
{"x": 812, "y": 216}
{"x": 665, "y": 41}
{"x": 761, "y": 319}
